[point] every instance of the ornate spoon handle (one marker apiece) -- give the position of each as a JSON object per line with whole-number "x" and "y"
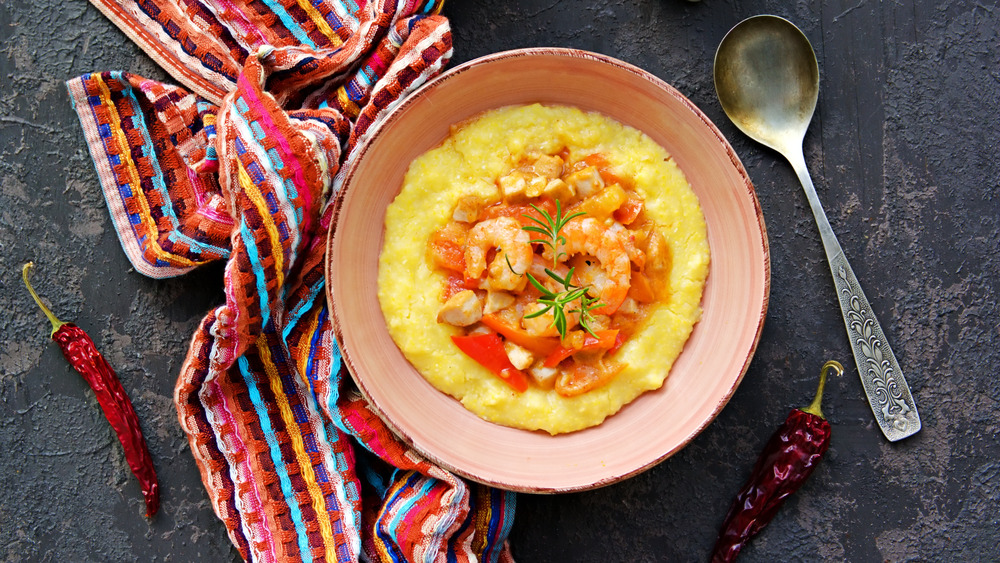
{"x": 887, "y": 392}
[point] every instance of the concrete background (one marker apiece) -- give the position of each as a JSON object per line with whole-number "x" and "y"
{"x": 903, "y": 150}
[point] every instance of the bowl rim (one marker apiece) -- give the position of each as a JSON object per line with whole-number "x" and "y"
{"x": 394, "y": 113}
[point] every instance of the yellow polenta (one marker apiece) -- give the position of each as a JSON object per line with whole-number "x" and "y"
{"x": 468, "y": 163}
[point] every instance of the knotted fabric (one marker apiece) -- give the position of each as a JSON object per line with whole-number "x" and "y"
{"x": 239, "y": 164}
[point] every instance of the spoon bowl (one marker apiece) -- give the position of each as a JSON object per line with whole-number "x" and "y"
{"x": 767, "y": 80}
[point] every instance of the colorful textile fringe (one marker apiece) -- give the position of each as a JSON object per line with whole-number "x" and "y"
{"x": 239, "y": 164}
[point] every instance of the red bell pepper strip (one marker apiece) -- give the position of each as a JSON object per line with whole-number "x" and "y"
{"x": 81, "y": 352}
{"x": 487, "y": 349}
{"x": 540, "y": 345}
{"x": 605, "y": 340}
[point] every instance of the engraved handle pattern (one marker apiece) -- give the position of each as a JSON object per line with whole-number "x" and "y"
{"x": 888, "y": 394}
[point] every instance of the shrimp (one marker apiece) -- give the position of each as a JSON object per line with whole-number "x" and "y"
{"x": 538, "y": 268}
{"x": 506, "y": 271}
{"x": 578, "y": 378}
{"x": 638, "y": 257}
{"x": 544, "y": 325}
{"x": 590, "y": 236}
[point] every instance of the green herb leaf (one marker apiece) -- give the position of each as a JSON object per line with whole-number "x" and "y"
{"x": 545, "y": 291}
{"x": 557, "y": 301}
{"x": 549, "y": 227}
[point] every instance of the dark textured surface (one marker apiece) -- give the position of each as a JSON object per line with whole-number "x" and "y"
{"x": 903, "y": 153}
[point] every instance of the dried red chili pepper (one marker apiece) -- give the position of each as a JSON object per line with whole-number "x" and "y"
{"x": 82, "y": 354}
{"x": 786, "y": 462}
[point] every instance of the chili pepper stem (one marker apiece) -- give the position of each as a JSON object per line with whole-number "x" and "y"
{"x": 56, "y": 323}
{"x": 814, "y": 407}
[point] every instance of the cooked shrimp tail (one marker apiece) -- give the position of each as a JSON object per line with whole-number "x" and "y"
{"x": 513, "y": 257}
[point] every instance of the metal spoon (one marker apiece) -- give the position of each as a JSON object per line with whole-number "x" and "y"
{"x": 767, "y": 80}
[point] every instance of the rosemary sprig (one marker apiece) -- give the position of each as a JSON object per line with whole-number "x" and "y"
{"x": 558, "y": 301}
{"x": 549, "y": 228}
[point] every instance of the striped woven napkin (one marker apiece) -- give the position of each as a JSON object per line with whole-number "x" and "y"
{"x": 239, "y": 164}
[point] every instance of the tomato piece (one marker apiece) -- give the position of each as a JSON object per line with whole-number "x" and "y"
{"x": 456, "y": 282}
{"x": 619, "y": 341}
{"x": 540, "y": 345}
{"x": 445, "y": 249}
{"x": 518, "y": 211}
{"x": 628, "y": 211}
{"x": 603, "y": 167}
{"x": 641, "y": 289}
{"x": 605, "y": 340}
{"x": 487, "y": 350}
{"x": 577, "y": 378}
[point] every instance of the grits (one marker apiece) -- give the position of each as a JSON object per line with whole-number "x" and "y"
{"x": 469, "y": 162}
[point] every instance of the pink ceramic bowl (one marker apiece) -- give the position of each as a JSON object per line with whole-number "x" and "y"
{"x": 654, "y": 426}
